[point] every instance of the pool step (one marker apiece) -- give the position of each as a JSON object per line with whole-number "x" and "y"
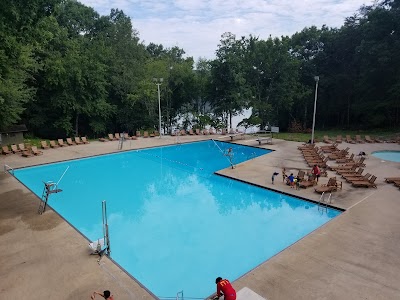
{"x": 247, "y": 294}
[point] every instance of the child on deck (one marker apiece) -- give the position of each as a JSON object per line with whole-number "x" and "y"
{"x": 273, "y": 176}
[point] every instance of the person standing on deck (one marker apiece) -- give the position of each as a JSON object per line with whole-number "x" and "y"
{"x": 316, "y": 172}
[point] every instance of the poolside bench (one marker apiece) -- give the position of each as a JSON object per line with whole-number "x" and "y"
{"x": 267, "y": 140}
{"x": 236, "y": 135}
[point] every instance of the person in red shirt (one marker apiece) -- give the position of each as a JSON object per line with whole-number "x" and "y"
{"x": 316, "y": 172}
{"x": 225, "y": 288}
{"x": 106, "y": 295}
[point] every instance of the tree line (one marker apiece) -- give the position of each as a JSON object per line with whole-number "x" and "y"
{"x": 66, "y": 70}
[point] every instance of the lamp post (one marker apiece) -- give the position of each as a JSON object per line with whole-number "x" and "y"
{"x": 158, "y": 82}
{"x": 316, "y": 78}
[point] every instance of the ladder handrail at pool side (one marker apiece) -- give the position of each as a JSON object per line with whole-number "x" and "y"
{"x": 322, "y": 200}
{"x": 7, "y": 168}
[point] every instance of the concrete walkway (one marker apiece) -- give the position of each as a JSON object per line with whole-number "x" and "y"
{"x": 355, "y": 256}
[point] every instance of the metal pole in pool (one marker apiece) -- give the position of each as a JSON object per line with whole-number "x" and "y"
{"x": 62, "y": 176}
{"x": 105, "y": 227}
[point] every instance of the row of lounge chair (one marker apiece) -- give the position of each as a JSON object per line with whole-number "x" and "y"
{"x": 118, "y": 136}
{"x": 347, "y": 166}
{"x": 26, "y": 150}
{"x": 21, "y": 149}
{"x": 359, "y": 139}
{"x": 60, "y": 142}
{"x": 313, "y": 155}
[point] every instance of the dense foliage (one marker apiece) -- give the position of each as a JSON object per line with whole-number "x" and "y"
{"x": 66, "y": 70}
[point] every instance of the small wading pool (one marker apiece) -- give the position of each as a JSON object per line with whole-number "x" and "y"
{"x": 174, "y": 224}
{"x": 388, "y": 155}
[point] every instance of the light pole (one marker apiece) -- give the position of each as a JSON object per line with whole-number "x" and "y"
{"x": 158, "y": 82}
{"x": 316, "y": 78}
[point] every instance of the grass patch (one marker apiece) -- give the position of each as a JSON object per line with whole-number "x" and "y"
{"x": 332, "y": 134}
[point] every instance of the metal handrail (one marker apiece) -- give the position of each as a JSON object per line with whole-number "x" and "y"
{"x": 7, "y": 168}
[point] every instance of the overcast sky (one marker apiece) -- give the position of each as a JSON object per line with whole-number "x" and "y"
{"x": 196, "y": 26}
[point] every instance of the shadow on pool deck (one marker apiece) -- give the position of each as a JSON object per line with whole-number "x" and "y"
{"x": 355, "y": 256}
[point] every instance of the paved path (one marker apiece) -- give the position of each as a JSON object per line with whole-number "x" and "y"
{"x": 355, "y": 256}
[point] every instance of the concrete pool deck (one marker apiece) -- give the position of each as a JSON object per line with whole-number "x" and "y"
{"x": 355, "y": 256}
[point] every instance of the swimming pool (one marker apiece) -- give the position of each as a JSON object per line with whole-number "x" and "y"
{"x": 174, "y": 225}
{"x": 388, "y": 155}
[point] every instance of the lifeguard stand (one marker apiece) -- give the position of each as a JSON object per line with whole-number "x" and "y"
{"x": 48, "y": 189}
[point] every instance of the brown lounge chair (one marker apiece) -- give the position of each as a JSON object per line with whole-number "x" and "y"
{"x": 319, "y": 163}
{"x": 117, "y": 136}
{"x": 359, "y": 139}
{"x": 331, "y": 186}
{"x": 351, "y": 174}
{"x": 103, "y": 140}
{"x": 145, "y": 134}
{"x": 347, "y": 170}
{"x": 349, "y": 140}
{"x": 21, "y": 147}
{"x": 156, "y": 133}
{"x": 44, "y": 145}
{"x": 339, "y": 139}
{"x": 349, "y": 166}
{"x": 5, "y": 150}
{"x": 365, "y": 183}
{"x": 15, "y": 149}
{"x": 70, "y": 142}
{"x": 198, "y": 131}
{"x": 346, "y": 159}
{"x": 191, "y": 132}
{"x": 307, "y": 183}
{"x": 333, "y": 146}
{"x": 396, "y": 183}
{"x": 392, "y": 179}
{"x": 53, "y": 144}
{"x": 327, "y": 140}
{"x": 378, "y": 140}
{"x": 84, "y": 140}
{"x": 138, "y": 133}
{"x": 26, "y": 153}
{"x": 111, "y": 137}
{"x": 368, "y": 139}
{"x": 351, "y": 179}
{"x": 77, "y": 140}
{"x": 61, "y": 143}
{"x": 35, "y": 151}
{"x": 339, "y": 155}
{"x": 133, "y": 137}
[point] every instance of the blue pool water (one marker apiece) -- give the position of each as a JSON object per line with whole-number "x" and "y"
{"x": 174, "y": 225}
{"x": 388, "y": 155}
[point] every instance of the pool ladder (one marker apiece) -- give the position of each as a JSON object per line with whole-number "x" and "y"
{"x": 121, "y": 142}
{"x": 323, "y": 203}
{"x": 179, "y": 295}
{"x": 8, "y": 169}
